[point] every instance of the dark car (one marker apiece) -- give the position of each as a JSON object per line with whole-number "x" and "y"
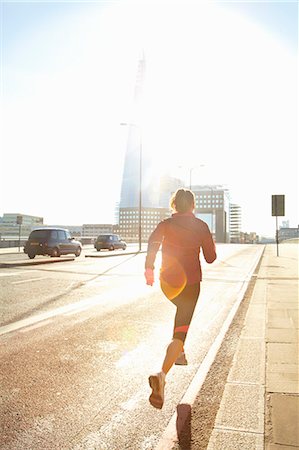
{"x": 109, "y": 242}
{"x": 52, "y": 242}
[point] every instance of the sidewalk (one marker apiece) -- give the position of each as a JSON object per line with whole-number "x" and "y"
{"x": 260, "y": 404}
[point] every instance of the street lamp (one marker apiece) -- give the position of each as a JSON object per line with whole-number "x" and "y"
{"x": 213, "y": 212}
{"x": 140, "y": 183}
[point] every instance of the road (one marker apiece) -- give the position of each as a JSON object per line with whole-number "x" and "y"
{"x": 79, "y": 339}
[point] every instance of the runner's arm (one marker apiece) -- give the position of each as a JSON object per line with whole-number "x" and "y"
{"x": 208, "y": 246}
{"x": 153, "y": 246}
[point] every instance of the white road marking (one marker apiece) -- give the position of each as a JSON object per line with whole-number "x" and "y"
{"x": 112, "y": 298}
{"x": 29, "y": 280}
{"x": 36, "y": 325}
{"x": 21, "y": 272}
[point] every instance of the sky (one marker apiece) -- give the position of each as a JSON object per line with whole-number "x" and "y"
{"x": 220, "y": 97}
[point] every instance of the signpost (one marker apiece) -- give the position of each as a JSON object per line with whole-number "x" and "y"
{"x": 277, "y": 210}
{"x": 19, "y": 222}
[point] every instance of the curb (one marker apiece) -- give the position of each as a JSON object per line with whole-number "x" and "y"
{"x": 115, "y": 254}
{"x": 34, "y": 263}
{"x": 57, "y": 260}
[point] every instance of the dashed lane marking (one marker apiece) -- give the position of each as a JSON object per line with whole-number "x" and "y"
{"x": 20, "y": 272}
{"x": 29, "y": 280}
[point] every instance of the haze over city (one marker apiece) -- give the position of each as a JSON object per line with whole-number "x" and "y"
{"x": 220, "y": 96}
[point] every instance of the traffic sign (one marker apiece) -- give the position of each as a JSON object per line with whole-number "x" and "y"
{"x": 277, "y": 205}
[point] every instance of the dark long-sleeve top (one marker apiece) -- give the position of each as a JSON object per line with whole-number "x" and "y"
{"x": 182, "y": 236}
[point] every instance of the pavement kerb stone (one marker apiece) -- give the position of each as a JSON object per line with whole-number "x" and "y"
{"x": 60, "y": 260}
{"x": 115, "y": 254}
{"x": 34, "y": 263}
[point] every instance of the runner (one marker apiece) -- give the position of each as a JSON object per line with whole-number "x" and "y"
{"x": 181, "y": 236}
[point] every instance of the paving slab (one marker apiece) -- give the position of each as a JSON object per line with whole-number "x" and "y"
{"x": 285, "y": 426}
{"x": 280, "y": 322}
{"x": 249, "y": 362}
{"x": 282, "y": 335}
{"x": 283, "y": 383}
{"x": 282, "y": 352}
{"x": 256, "y": 311}
{"x": 235, "y": 440}
{"x": 242, "y": 408}
{"x": 254, "y": 327}
{"x": 259, "y": 293}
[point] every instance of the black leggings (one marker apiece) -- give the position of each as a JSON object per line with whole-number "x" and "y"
{"x": 185, "y": 303}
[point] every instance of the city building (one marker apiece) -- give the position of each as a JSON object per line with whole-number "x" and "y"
{"x": 144, "y": 199}
{"x": 212, "y": 206}
{"x": 138, "y": 165}
{"x": 288, "y": 233}
{"x": 249, "y": 238}
{"x": 140, "y": 207}
{"x": 75, "y": 230}
{"x": 92, "y": 230}
{"x": 129, "y": 222}
{"x": 235, "y": 223}
{"x": 13, "y": 224}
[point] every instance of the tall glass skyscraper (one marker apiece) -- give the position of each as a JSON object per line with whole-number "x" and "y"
{"x": 133, "y": 157}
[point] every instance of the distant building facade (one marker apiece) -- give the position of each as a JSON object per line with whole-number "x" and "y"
{"x": 10, "y": 228}
{"x": 75, "y": 230}
{"x": 92, "y": 230}
{"x": 129, "y": 222}
{"x": 249, "y": 238}
{"x": 288, "y": 233}
{"x": 154, "y": 207}
{"x": 235, "y": 223}
{"x": 212, "y": 206}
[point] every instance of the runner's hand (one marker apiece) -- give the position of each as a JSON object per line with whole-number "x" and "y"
{"x": 149, "y": 276}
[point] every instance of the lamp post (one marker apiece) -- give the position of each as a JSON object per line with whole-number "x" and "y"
{"x": 213, "y": 212}
{"x": 140, "y": 183}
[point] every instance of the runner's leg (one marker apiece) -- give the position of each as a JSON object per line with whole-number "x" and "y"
{"x": 185, "y": 303}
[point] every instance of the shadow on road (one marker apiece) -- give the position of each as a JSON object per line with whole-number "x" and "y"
{"x": 183, "y": 426}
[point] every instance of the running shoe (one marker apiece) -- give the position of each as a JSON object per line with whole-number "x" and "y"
{"x": 181, "y": 360}
{"x": 157, "y": 383}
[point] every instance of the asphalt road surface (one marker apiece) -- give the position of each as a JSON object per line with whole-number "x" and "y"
{"x": 79, "y": 339}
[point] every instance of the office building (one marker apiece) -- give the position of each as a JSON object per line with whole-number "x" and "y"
{"x": 288, "y": 233}
{"x": 92, "y": 230}
{"x": 212, "y": 206}
{"x": 235, "y": 223}
{"x": 249, "y": 238}
{"x": 14, "y": 223}
{"x": 129, "y": 222}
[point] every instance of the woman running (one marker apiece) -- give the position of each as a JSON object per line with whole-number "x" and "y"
{"x": 181, "y": 236}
